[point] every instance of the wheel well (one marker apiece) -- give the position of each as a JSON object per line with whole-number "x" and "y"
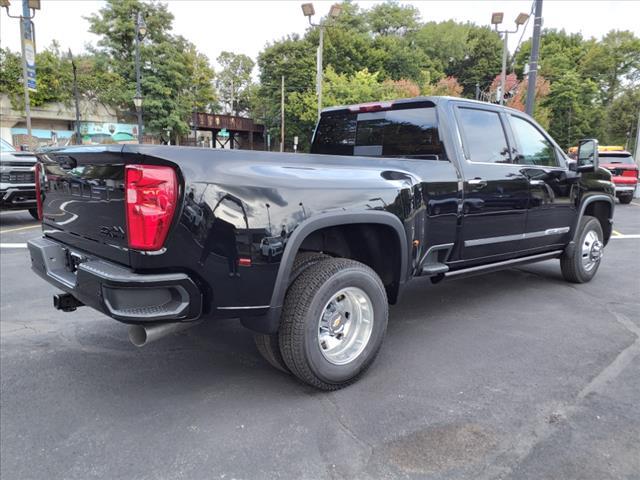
{"x": 375, "y": 245}
{"x": 601, "y": 211}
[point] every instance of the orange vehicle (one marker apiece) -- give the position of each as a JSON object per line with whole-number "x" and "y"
{"x": 624, "y": 171}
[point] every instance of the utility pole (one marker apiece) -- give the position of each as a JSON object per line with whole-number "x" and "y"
{"x": 477, "y": 91}
{"x": 533, "y": 61}
{"x": 76, "y": 99}
{"x": 282, "y": 115}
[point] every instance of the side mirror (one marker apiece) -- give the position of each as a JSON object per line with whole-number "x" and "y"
{"x": 587, "y": 155}
{"x": 572, "y": 165}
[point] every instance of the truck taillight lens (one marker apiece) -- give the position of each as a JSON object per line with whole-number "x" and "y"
{"x": 151, "y": 196}
{"x": 630, "y": 173}
{"x": 37, "y": 174}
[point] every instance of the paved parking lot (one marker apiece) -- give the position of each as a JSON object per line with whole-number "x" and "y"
{"x": 515, "y": 375}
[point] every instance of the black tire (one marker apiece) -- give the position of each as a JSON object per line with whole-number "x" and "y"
{"x": 573, "y": 269}
{"x": 625, "y": 199}
{"x": 34, "y": 213}
{"x": 269, "y": 345}
{"x": 269, "y": 348}
{"x": 304, "y": 304}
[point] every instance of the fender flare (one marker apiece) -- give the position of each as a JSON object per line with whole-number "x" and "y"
{"x": 583, "y": 207}
{"x": 334, "y": 219}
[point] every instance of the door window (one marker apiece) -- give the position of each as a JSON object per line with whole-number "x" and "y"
{"x": 534, "y": 148}
{"x": 484, "y": 137}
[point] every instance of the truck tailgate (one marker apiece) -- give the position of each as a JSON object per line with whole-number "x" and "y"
{"x": 83, "y": 199}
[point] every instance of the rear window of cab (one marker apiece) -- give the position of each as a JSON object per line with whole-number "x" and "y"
{"x": 405, "y": 133}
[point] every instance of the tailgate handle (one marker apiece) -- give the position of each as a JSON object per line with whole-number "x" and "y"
{"x": 67, "y": 162}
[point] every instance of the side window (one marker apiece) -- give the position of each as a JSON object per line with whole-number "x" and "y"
{"x": 484, "y": 136}
{"x": 535, "y": 149}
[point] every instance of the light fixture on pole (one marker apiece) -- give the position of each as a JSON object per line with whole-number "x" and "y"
{"x": 308, "y": 11}
{"x": 141, "y": 32}
{"x": 496, "y": 19}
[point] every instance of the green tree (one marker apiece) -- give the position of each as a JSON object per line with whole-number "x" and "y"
{"x": 613, "y": 62}
{"x": 622, "y": 117}
{"x": 560, "y": 52}
{"x": 572, "y": 108}
{"x": 391, "y": 18}
{"x": 481, "y": 62}
{"x": 233, "y": 80}
{"x": 170, "y": 64}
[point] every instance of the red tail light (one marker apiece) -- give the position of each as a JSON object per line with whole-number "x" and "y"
{"x": 151, "y": 196}
{"x": 630, "y": 173}
{"x": 37, "y": 173}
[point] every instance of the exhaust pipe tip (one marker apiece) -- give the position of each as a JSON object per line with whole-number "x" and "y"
{"x": 141, "y": 335}
{"x": 138, "y": 335}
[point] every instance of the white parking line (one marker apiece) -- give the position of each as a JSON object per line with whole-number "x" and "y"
{"x": 625, "y": 236}
{"x": 13, "y": 245}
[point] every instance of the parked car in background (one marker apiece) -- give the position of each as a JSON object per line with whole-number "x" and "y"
{"x": 17, "y": 180}
{"x": 624, "y": 171}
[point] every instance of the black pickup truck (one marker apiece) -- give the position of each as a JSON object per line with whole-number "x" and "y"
{"x": 308, "y": 250}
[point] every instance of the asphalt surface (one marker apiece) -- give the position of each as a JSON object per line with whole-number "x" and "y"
{"x": 512, "y": 375}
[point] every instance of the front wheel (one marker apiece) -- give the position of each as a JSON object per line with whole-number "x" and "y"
{"x": 333, "y": 322}
{"x": 582, "y": 264}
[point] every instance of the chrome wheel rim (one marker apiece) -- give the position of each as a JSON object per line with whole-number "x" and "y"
{"x": 592, "y": 249}
{"x": 345, "y": 326}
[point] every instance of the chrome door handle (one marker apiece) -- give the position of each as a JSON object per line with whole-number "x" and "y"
{"x": 537, "y": 182}
{"x": 477, "y": 182}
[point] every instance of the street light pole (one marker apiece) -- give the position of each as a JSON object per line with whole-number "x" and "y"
{"x": 309, "y": 11}
{"x": 503, "y": 72}
{"x": 27, "y": 35}
{"x": 496, "y": 19}
{"x": 319, "y": 69}
{"x": 141, "y": 31}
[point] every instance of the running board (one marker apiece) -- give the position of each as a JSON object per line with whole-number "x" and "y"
{"x": 493, "y": 267}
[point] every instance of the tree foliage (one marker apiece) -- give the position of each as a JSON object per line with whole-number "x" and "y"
{"x": 176, "y": 79}
{"x": 585, "y": 88}
{"x": 233, "y": 81}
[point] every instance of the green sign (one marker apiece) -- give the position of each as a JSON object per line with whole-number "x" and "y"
{"x": 223, "y": 133}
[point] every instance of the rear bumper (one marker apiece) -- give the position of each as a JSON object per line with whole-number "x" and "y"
{"x": 16, "y": 198}
{"x": 115, "y": 290}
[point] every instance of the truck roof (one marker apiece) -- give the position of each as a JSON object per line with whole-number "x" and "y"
{"x": 422, "y": 101}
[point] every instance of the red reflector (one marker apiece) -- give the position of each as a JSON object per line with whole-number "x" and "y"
{"x": 37, "y": 173}
{"x": 630, "y": 173}
{"x": 244, "y": 262}
{"x": 151, "y": 196}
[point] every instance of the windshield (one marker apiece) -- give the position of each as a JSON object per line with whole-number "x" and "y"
{"x": 6, "y": 146}
{"x": 625, "y": 158}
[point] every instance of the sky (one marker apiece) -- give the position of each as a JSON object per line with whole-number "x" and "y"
{"x": 247, "y": 26}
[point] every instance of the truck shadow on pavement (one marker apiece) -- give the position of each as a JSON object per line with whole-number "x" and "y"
{"x": 222, "y": 353}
